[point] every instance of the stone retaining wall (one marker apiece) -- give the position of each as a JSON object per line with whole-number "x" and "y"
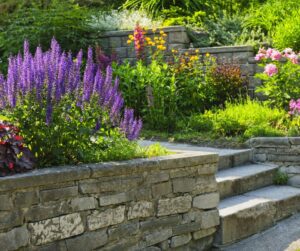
{"x": 149, "y": 204}
{"x": 177, "y": 38}
{"x": 243, "y": 56}
{"x": 116, "y": 41}
{"x": 282, "y": 150}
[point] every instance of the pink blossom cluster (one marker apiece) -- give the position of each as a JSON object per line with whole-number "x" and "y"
{"x": 276, "y": 55}
{"x": 294, "y": 107}
{"x": 271, "y": 70}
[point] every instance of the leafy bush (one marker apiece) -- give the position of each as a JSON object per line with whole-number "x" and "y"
{"x": 280, "y": 77}
{"x": 62, "y": 19}
{"x": 247, "y": 119}
{"x": 15, "y": 157}
{"x": 287, "y": 33}
{"x": 226, "y": 82}
{"x": 67, "y": 118}
{"x": 121, "y": 20}
{"x": 268, "y": 15}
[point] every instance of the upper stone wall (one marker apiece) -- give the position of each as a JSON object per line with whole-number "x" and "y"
{"x": 145, "y": 204}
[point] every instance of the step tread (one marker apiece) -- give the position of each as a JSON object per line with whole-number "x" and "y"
{"x": 241, "y": 172}
{"x": 251, "y": 199}
{"x": 192, "y": 148}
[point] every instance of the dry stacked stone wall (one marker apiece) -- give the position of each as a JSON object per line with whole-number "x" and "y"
{"x": 146, "y": 204}
{"x": 282, "y": 150}
{"x": 177, "y": 38}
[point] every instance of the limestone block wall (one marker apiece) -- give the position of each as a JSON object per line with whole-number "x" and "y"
{"x": 282, "y": 150}
{"x": 243, "y": 56}
{"x": 177, "y": 38}
{"x": 147, "y": 204}
{"x": 116, "y": 41}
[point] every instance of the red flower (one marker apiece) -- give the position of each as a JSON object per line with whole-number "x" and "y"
{"x": 18, "y": 138}
{"x": 11, "y": 165}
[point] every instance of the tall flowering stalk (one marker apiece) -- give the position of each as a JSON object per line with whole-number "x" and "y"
{"x": 50, "y": 77}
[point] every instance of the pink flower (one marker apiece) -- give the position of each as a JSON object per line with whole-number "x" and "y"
{"x": 293, "y": 58}
{"x": 270, "y": 70}
{"x": 259, "y": 56}
{"x": 294, "y": 107}
{"x": 269, "y": 52}
{"x": 276, "y": 55}
{"x": 262, "y": 51}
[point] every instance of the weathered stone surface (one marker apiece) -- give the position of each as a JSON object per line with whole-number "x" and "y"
{"x": 56, "y": 229}
{"x": 83, "y": 203}
{"x": 6, "y": 202}
{"x": 106, "y": 218}
{"x": 187, "y": 228}
{"x": 175, "y": 205}
{"x": 123, "y": 231}
{"x": 115, "y": 42}
{"x": 210, "y": 219}
{"x": 205, "y": 184}
{"x": 143, "y": 194}
{"x": 208, "y": 169}
{"x": 157, "y": 236}
{"x": 292, "y": 169}
{"x": 192, "y": 216}
{"x": 42, "y": 212}
{"x": 87, "y": 241}
{"x": 14, "y": 239}
{"x": 115, "y": 199}
{"x": 26, "y": 199}
{"x": 280, "y": 142}
{"x": 9, "y": 219}
{"x": 140, "y": 209}
{"x": 260, "y": 157}
{"x": 161, "y": 189}
{"x": 58, "y": 194}
{"x": 178, "y": 37}
{"x": 183, "y": 185}
{"x": 180, "y": 240}
{"x": 158, "y": 177}
{"x": 294, "y": 181}
{"x": 164, "y": 222}
{"x": 203, "y": 233}
{"x": 206, "y": 201}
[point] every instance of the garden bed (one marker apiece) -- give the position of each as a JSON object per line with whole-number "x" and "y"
{"x": 165, "y": 201}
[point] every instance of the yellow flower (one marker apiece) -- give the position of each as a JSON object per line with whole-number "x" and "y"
{"x": 197, "y": 51}
{"x": 186, "y": 54}
{"x": 161, "y": 32}
{"x": 148, "y": 39}
{"x": 154, "y": 29}
{"x": 162, "y": 42}
{"x": 155, "y": 38}
{"x": 129, "y": 41}
{"x": 163, "y": 48}
{"x": 164, "y": 35}
{"x": 207, "y": 54}
{"x": 130, "y": 37}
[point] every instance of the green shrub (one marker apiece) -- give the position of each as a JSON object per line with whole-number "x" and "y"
{"x": 65, "y": 21}
{"x": 248, "y": 118}
{"x": 281, "y": 87}
{"x": 281, "y": 178}
{"x": 287, "y": 33}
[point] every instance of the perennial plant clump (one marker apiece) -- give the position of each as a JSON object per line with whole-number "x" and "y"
{"x": 280, "y": 77}
{"x": 15, "y": 157}
{"x": 65, "y": 115}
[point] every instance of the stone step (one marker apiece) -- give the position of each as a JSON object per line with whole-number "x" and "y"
{"x": 228, "y": 158}
{"x": 245, "y": 178}
{"x": 234, "y": 158}
{"x": 250, "y": 213}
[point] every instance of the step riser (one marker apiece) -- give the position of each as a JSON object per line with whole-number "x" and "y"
{"x": 247, "y": 222}
{"x": 238, "y": 186}
{"x": 238, "y": 159}
{"x": 254, "y": 220}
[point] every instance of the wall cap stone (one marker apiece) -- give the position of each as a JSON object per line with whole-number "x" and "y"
{"x": 121, "y": 33}
{"x": 273, "y": 142}
{"x": 62, "y": 174}
{"x": 222, "y": 49}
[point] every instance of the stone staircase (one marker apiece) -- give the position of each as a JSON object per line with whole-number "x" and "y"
{"x": 249, "y": 200}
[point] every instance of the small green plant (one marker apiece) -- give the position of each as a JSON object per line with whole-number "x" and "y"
{"x": 155, "y": 150}
{"x": 281, "y": 178}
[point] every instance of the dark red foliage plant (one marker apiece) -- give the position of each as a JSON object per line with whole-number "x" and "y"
{"x": 15, "y": 157}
